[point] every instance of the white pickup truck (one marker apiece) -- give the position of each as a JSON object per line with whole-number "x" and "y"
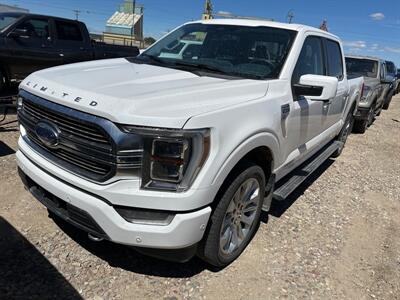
{"x": 178, "y": 156}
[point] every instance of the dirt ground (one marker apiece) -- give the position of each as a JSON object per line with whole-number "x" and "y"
{"x": 337, "y": 237}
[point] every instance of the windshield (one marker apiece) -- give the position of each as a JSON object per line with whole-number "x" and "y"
{"x": 362, "y": 67}
{"x": 240, "y": 51}
{"x": 7, "y": 19}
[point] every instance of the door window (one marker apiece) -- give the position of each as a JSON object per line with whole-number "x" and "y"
{"x": 382, "y": 73}
{"x": 36, "y": 28}
{"x": 311, "y": 60}
{"x": 68, "y": 31}
{"x": 335, "y": 61}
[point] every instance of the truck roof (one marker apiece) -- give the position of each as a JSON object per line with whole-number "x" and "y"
{"x": 363, "y": 57}
{"x": 255, "y": 23}
{"x": 22, "y": 14}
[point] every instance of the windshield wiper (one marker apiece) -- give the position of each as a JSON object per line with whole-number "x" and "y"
{"x": 153, "y": 58}
{"x": 198, "y": 67}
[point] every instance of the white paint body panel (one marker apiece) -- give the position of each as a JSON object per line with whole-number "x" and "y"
{"x": 241, "y": 114}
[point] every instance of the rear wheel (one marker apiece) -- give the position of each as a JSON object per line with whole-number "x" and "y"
{"x": 344, "y": 134}
{"x": 236, "y": 217}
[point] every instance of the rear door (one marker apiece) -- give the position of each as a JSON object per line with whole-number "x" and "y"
{"x": 33, "y": 51}
{"x": 73, "y": 45}
{"x": 336, "y": 106}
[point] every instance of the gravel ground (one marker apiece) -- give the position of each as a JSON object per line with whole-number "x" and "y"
{"x": 336, "y": 237}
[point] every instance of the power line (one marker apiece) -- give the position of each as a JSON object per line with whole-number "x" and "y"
{"x": 77, "y": 12}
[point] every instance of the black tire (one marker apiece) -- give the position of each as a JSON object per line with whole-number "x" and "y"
{"x": 387, "y": 102}
{"x": 344, "y": 134}
{"x": 360, "y": 126}
{"x": 209, "y": 249}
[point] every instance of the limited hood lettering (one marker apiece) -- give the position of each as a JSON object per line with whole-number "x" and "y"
{"x": 61, "y": 94}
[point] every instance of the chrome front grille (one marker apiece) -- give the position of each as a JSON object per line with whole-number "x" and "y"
{"x": 85, "y": 146}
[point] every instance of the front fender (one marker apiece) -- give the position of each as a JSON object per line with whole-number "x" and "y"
{"x": 263, "y": 139}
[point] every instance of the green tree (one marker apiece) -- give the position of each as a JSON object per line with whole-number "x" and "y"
{"x": 149, "y": 40}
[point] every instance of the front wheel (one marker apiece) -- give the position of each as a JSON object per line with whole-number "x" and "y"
{"x": 387, "y": 102}
{"x": 236, "y": 217}
{"x": 360, "y": 126}
{"x": 344, "y": 134}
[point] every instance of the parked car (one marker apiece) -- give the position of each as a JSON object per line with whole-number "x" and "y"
{"x": 29, "y": 43}
{"x": 374, "y": 91}
{"x": 390, "y": 86}
{"x": 178, "y": 156}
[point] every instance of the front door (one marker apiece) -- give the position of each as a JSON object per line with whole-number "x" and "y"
{"x": 307, "y": 116}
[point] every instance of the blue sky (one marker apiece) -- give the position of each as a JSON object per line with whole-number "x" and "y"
{"x": 368, "y": 27}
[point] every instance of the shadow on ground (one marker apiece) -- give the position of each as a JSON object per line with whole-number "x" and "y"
{"x": 5, "y": 149}
{"x": 278, "y": 208}
{"x": 128, "y": 259}
{"x": 25, "y": 273}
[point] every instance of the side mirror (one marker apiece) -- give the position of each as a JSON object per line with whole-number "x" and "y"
{"x": 17, "y": 33}
{"x": 320, "y": 88}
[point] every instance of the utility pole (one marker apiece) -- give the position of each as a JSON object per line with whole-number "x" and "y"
{"x": 77, "y": 12}
{"x": 208, "y": 10}
{"x": 290, "y": 16}
{"x": 133, "y": 22}
{"x": 324, "y": 25}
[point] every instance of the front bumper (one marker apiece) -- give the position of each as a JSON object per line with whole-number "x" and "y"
{"x": 184, "y": 230}
{"x": 362, "y": 113}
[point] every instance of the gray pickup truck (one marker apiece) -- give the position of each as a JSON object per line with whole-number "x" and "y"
{"x": 375, "y": 88}
{"x": 390, "y": 86}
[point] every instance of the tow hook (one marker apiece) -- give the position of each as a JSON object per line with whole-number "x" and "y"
{"x": 94, "y": 238}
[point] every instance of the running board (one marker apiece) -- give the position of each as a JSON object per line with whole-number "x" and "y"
{"x": 299, "y": 175}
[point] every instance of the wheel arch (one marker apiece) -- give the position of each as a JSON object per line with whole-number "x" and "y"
{"x": 261, "y": 149}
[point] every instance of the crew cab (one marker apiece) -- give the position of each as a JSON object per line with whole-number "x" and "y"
{"x": 179, "y": 156}
{"x": 29, "y": 43}
{"x": 375, "y": 90}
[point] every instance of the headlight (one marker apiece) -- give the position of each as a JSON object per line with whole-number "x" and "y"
{"x": 171, "y": 158}
{"x": 365, "y": 92}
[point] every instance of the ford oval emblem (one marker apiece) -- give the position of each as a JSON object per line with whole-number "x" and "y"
{"x": 48, "y": 133}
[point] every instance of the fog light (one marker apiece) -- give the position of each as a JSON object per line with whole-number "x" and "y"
{"x": 145, "y": 216}
{"x": 20, "y": 103}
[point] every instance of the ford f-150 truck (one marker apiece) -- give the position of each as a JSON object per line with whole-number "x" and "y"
{"x": 30, "y": 43}
{"x": 374, "y": 91}
{"x": 178, "y": 156}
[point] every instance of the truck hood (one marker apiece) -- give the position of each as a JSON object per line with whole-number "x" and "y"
{"x": 140, "y": 94}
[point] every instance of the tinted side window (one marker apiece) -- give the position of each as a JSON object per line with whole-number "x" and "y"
{"x": 335, "y": 61}
{"x": 391, "y": 69}
{"x": 382, "y": 74}
{"x": 36, "y": 28}
{"x": 67, "y": 31}
{"x": 311, "y": 60}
